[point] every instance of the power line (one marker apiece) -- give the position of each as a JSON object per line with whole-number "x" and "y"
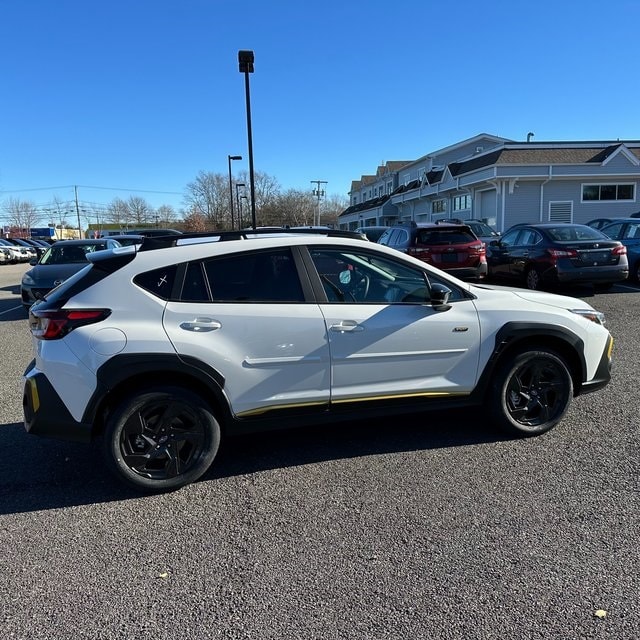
{"x": 85, "y": 186}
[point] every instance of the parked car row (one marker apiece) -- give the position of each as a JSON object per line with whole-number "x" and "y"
{"x": 534, "y": 256}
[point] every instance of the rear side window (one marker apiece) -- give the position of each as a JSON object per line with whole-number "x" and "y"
{"x": 261, "y": 276}
{"x": 159, "y": 282}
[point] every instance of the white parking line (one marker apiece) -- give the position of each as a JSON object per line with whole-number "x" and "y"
{"x": 627, "y": 287}
{"x": 9, "y": 310}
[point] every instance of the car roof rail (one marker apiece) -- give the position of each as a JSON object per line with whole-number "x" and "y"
{"x": 160, "y": 242}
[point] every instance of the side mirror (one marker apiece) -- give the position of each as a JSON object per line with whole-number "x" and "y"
{"x": 440, "y": 297}
{"x": 494, "y": 243}
{"x": 33, "y": 261}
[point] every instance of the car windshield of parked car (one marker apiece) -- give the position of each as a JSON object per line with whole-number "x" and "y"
{"x": 61, "y": 253}
{"x": 566, "y": 233}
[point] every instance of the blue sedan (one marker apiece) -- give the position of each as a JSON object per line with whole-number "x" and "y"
{"x": 627, "y": 231}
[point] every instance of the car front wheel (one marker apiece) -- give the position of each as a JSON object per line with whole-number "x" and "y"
{"x": 161, "y": 439}
{"x": 531, "y": 393}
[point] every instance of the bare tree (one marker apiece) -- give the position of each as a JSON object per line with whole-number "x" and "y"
{"x": 331, "y": 209}
{"x": 165, "y": 215}
{"x": 141, "y": 212}
{"x": 208, "y": 194}
{"x": 267, "y": 191}
{"x": 22, "y": 215}
{"x": 293, "y": 208}
{"x": 118, "y": 213}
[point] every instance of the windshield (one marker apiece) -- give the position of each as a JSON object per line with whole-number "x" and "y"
{"x": 61, "y": 253}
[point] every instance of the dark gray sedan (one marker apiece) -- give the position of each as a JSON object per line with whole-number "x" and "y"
{"x": 59, "y": 262}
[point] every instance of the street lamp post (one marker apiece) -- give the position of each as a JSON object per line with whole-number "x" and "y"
{"x": 238, "y": 185}
{"x": 240, "y": 199}
{"x": 245, "y": 61}
{"x": 231, "y": 185}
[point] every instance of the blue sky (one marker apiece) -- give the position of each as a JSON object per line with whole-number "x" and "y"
{"x": 136, "y": 97}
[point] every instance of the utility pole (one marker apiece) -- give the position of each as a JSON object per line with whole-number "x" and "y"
{"x": 319, "y": 193}
{"x": 78, "y": 213}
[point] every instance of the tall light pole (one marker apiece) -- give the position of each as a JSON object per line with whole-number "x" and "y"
{"x": 238, "y": 185}
{"x": 240, "y": 199}
{"x": 245, "y": 62}
{"x": 318, "y": 193}
{"x": 231, "y": 185}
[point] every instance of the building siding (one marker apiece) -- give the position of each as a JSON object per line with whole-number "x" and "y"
{"x": 523, "y": 178}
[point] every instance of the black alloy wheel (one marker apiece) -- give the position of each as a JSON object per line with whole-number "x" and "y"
{"x": 531, "y": 393}
{"x": 161, "y": 439}
{"x": 533, "y": 279}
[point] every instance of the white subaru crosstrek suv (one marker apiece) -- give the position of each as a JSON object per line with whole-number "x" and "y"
{"x": 163, "y": 348}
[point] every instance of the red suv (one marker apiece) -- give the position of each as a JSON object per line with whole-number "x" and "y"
{"x": 449, "y": 246}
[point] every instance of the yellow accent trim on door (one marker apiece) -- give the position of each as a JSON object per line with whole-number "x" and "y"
{"x": 398, "y": 396}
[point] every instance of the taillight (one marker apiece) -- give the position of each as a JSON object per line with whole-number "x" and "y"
{"x": 563, "y": 253}
{"x": 619, "y": 251}
{"x": 53, "y": 325}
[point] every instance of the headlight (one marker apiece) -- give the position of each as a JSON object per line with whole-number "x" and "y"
{"x": 590, "y": 314}
{"x": 28, "y": 280}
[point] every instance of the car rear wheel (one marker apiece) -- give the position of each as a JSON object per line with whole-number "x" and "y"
{"x": 635, "y": 274}
{"x": 533, "y": 279}
{"x": 531, "y": 393}
{"x": 161, "y": 439}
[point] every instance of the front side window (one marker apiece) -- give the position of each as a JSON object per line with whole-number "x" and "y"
{"x": 529, "y": 237}
{"x": 613, "y": 230}
{"x": 354, "y": 277}
{"x": 509, "y": 239}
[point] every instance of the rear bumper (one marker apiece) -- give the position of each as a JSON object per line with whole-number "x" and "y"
{"x": 56, "y": 421}
{"x": 468, "y": 272}
{"x": 605, "y": 274}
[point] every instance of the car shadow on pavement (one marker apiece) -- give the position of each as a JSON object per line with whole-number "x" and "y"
{"x": 12, "y": 309}
{"x": 39, "y": 474}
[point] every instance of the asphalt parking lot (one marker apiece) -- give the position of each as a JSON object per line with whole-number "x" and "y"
{"x": 436, "y": 527}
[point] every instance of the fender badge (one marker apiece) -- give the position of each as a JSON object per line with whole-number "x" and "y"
{"x": 460, "y": 329}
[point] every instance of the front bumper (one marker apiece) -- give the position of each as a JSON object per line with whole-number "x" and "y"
{"x": 44, "y": 412}
{"x": 603, "y": 372}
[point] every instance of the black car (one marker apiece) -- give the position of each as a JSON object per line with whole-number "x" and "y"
{"x": 547, "y": 254}
{"x": 61, "y": 261}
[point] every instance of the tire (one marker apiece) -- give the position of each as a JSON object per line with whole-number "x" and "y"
{"x": 635, "y": 273}
{"x": 161, "y": 439}
{"x": 531, "y": 393}
{"x": 533, "y": 279}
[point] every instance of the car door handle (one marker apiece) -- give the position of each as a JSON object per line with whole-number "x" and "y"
{"x": 346, "y": 325}
{"x": 201, "y": 325}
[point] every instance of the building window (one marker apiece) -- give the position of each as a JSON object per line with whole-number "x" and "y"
{"x": 597, "y": 192}
{"x": 438, "y": 206}
{"x": 389, "y": 187}
{"x": 461, "y": 202}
